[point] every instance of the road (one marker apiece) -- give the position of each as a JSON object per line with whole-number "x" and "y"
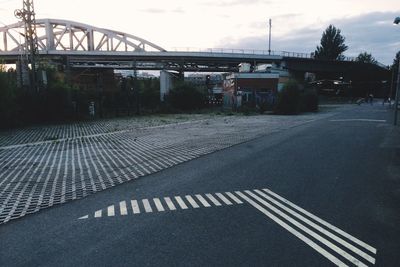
{"x": 323, "y": 193}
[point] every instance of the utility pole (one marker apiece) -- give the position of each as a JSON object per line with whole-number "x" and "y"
{"x": 396, "y": 102}
{"x": 136, "y": 88}
{"x": 269, "y": 39}
{"x": 27, "y": 15}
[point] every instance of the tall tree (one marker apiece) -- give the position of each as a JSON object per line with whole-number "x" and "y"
{"x": 366, "y": 58}
{"x": 332, "y": 44}
{"x": 395, "y": 68}
{"x": 396, "y": 60}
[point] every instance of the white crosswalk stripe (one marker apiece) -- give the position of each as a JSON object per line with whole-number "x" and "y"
{"x": 135, "y": 207}
{"x": 181, "y": 203}
{"x": 192, "y": 202}
{"x": 98, "y": 214}
{"x": 147, "y": 206}
{"x": 158, "y": 204}
{"x": 223, "y": 198}
{"x": 170, "y": 204}
{"x": 122, "y": 208}
{"x": 213, "y": 200}
{"x": 331, "y": 242}
{"x": 234, "y": 198}
{"x": 203, "y": 201}
{"x": 111, "y": 211}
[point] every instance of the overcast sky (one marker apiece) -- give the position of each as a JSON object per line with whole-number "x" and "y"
{"x": 297, "y": 26}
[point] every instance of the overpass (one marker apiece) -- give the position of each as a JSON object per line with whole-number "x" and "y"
{"x": 79, "y": 45}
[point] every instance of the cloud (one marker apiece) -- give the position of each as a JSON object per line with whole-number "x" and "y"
{"x": 153, "y": 10}
{"x": 372, "y": 32}
{"x": 230, "y": 3}
{"x": 178, "y": 10}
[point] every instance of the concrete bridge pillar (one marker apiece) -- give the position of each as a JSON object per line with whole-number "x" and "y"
{"x": 165, "y": 84}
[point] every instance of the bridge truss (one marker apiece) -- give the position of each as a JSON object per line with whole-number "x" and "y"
{"x": 62, "y": 35}
{"x": 79, "y": 45}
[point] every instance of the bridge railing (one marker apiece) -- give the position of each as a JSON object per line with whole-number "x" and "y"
{"x": 256, "y": 52}
{"x": 241, "y": 51}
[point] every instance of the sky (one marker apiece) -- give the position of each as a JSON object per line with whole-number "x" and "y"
{"x": 297, "y": 26}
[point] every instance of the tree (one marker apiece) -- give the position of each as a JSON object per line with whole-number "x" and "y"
{"x": 185, "y": 96}
{"x": 8, "y": 98}
{"x": 394, "y": 68}
{"x": 289, "y": 98}
{"x": 366, "y": 58}
{"x": 332, "y": 44}
{"x": 396, "y": 60}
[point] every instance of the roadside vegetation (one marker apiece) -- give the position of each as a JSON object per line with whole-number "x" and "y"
{"x": 295, "y": 98}
{"x": 60, "y": 100}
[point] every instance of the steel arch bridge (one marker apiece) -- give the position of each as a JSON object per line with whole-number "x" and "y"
{"x": 56, "y": 35}
{"x": 79, "y": 45}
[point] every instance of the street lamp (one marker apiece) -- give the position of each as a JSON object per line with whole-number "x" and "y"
{"x": 396, "y": 102}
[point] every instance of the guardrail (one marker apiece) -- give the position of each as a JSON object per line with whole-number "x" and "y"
{"x": 258, "y": 52}
{"x": 241, "y": 51}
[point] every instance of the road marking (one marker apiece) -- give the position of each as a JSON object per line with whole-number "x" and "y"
{"x": 234, "y": 198}
{"x": 146, "y": 204}
{"x": 203, "y": 201}
{"x": 135, "y": 207}
{"x": 181, "y": 203}
{"x": 302, "y": 237}
{"x": 224, "y": 199}
{"x": 158, "y": 204}
{"x": 326, "y": 224}
{"x": 192, "y": 202}
{"x": 307, "y": 230}
{"x": 170, "y": 204}
{"x": 213, "y": 200}
{"x": 317, "y": 227}
{"x": 98, "y": 214}
{"x": 110, "y": 211}
{"x": 363, "y": 120}
{"x": 122, "y": 208}
{"x": 331, "y": 242}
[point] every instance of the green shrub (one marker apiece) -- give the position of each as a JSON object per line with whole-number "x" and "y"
{"x": 184, "y": 96}
{"x": 289, "y": 98}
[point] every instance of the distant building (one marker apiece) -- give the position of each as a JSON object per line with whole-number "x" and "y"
{"x": 212, "y": 82}
{"x": 250, "y": 89}
{"x": 130, "y": 73}
{"x": 254, "y": 86}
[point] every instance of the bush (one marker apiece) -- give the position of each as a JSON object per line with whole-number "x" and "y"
{"x": 289, "y": 98}
{"x": 57, "y": 102}
{"x": 184, "y": 96}
{"x": 150, "y": 93}
{"x": 309, "y": 100}
{"x": 8, "y": 101}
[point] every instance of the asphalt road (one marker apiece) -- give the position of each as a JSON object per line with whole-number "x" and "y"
{"x": 340, "y": 174}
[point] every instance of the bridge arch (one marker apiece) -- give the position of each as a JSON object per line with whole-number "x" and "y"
{"x": 64, "y": 35}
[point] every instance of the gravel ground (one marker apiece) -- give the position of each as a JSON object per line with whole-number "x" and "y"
{"x": 44, "y": 166}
